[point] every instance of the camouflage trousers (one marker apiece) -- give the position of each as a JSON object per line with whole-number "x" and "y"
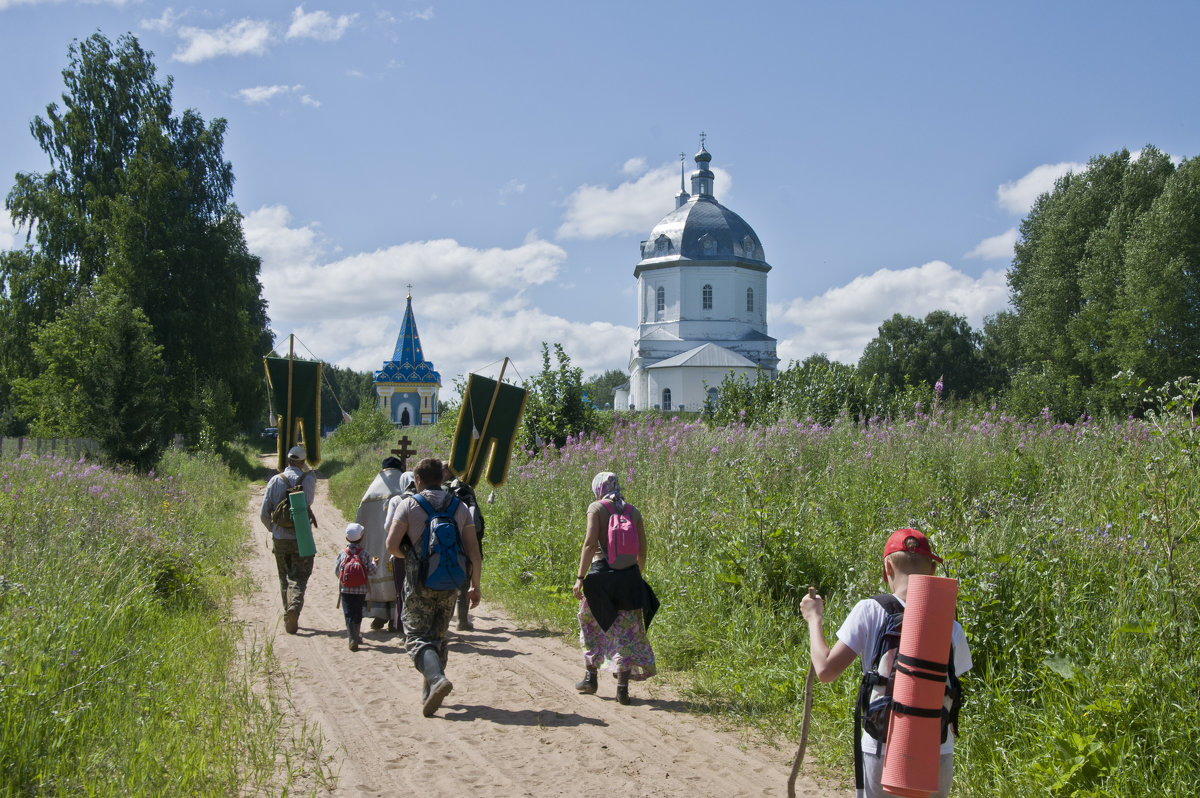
{"x": 426, "y": 614}
{"x": 294, "y": 572}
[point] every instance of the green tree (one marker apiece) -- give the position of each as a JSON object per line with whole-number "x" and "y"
{"x": 1158, "y": 316}
{"x": 142, "y": 198}
{"x": 600, "y": 388}
{"x": 1070, "y": 278}
{"x": 554, "y": 406}
{"x": 942, "y": 348}
{"x": 99, "y": 376}
{"x": 347, "y": 390}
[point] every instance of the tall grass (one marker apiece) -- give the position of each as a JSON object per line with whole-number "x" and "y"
{"x": 1075, "y": 547}
{"x": 119, "y": 668}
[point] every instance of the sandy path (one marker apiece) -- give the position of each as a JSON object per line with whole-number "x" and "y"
{"x": 514, "y": 725}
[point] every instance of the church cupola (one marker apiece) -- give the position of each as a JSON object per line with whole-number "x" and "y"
{"x": 702, "y": 178}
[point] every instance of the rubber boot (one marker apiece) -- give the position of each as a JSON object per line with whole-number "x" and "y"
{"x": 590, "y": 682}
{"x": 437, "y": 686}
{"x": 353, "y": 636}
{"x": 623, "y": 687}
{"x": 464, "y": 621}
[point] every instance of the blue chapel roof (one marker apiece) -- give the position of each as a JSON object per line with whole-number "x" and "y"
{"x": 408, "y": 363}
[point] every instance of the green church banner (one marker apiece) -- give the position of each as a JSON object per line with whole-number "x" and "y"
{"x": 487, "y": 429}
{"x": 296, "y": 398}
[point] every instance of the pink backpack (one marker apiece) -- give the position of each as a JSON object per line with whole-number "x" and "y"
{"x": 621, "y": 543}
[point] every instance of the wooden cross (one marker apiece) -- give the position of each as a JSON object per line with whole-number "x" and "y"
{"x": 404, "y": 452}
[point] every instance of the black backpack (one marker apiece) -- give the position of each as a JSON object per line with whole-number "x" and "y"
{"x": 466, "y": 494}
{"x": 874, "y": 706}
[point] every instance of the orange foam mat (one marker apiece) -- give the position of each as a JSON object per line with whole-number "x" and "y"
{"x": 910, "y": 766}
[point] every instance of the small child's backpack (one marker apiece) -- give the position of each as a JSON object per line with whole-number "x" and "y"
{"x": 354, "y": 570}
{"x": 874, "y": 706}
{"x": 620, "y": 544}
{"x": 443, "y": 563}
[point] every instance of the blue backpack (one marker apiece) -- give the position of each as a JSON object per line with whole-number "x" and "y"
{"x": 443, "y": 561}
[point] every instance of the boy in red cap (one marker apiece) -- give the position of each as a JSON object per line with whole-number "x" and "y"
{"x": 872, "y": 631}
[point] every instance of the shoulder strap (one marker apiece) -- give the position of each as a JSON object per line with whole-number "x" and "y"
{"x": 890, "y": 603}
{"x": 425, "y": 505}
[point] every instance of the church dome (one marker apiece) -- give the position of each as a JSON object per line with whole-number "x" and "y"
{"x": 702, "y": 228}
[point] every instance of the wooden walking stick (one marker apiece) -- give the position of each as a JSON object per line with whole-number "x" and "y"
{"x": 808, "y": 699}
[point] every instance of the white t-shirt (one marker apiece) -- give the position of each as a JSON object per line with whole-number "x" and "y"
{"x": 860, "y": 632}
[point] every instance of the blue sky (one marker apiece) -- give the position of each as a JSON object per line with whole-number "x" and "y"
{"x": 506, "y": 159}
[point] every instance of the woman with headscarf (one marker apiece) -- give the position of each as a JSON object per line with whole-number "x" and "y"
{"x": 615, "y": 604}
{"x": 407, "y": 488}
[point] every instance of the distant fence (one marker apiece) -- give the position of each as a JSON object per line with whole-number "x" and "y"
{"x": 35, "y": 447}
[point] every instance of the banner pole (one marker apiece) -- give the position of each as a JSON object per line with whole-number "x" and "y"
{"x": 487, "y": 418}
{"x": 288, "y": 441}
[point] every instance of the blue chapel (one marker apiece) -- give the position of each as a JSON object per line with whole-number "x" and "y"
{"x": 407, "y": 385}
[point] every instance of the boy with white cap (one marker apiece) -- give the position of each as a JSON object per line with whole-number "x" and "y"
{"x": 353, "y": 567}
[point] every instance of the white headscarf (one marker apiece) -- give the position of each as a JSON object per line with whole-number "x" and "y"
{"x": 606, "y": 486}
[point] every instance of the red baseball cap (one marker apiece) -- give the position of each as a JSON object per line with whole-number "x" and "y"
{"x": 913, "y": 540}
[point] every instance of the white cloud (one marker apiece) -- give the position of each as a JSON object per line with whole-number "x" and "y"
{"x": 843, "y": 320}
{"x": 996, "y": 247}
{"x": 634, "y": 166}
{"x": 164, "y": 24}
{"x": 632, "y": 207}
{"x": 468, "y": 302}
{"x": 246, "y": 36}
{"x": 9, "y": 237}
{"x": 260, "y": 94}
{"x": 424, "y": 15}
{"x": 1018, "y": 196}
{"x": 318, "y": 25}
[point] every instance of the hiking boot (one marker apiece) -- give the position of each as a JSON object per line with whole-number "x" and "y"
{"x": 354, "y": 644}
{"x": 623, "y": 688}
{"x": 589, "y": 684}
{"x": 291, "y": 621}
{"x": 378, "y": 623}
{"x": 466, "y": 626}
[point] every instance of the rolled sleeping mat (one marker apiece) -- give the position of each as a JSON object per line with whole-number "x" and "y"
{"x": 910, "y": 765}
{"x": 305, "y": 544}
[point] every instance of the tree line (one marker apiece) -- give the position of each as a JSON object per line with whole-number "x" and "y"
{"x": 133, "y": 312}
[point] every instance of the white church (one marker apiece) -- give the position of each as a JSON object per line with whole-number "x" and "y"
{"x": 702, "y": 304}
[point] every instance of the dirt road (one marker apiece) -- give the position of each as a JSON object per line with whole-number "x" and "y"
{"x": 514, "y": 725}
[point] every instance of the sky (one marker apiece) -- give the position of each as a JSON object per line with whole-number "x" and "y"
{"x": 503, "y": 161}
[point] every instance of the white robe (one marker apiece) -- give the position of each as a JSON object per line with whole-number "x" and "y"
{"x": 371, "y": 511}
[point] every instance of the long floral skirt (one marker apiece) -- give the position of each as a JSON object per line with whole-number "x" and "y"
{"x": 624, "y": 647}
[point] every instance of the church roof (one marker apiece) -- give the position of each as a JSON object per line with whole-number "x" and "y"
{"x": 708, "y": 354}
{"x": 701, "y": 228}
{"x": 408, "y": 363}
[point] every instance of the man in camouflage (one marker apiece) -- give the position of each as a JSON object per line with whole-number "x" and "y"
{"x": 427, "y": 612}
{"x": 293, "y": 569}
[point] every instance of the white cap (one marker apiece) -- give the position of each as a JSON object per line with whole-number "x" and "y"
{"x": 296, "y": 453}
{"x": 354, "y": 532}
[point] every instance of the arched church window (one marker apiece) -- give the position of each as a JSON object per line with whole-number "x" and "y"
{"x": 662, "y": 245}
{"x": 660, "y": 299}
{"x": 712, "y": 396}
{"x": 666, "y": 399}
{"x": 708, "y": 243}
{"x": 706, "y": 297}
{"x": 748, "y": 246}
{"x": 749, "y": 300}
